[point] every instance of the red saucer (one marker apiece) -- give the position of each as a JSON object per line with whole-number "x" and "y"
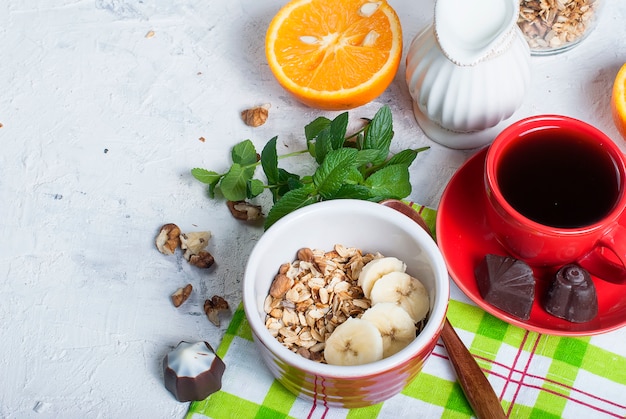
{"x": 465, "y": 238}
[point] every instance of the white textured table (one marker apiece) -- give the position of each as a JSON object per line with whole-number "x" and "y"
{"x": 102, "y": 105}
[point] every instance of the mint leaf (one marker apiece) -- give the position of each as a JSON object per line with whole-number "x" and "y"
{"x": 211, "y": 191}
{"x": 290, "y": 202}
{"x": 405, "y": 156}
{"x": 365, "y": 157}
{"x": 244, "y": 153}
{"x": 331, "y": 137}
{"x": 389, "y": 182}
{"x": 209, "y": 177}
{"x": 205, "y": 176}
{"x": 350, "y": 191}
{"x": 286, "y": 182}
{"x": 353, "y": 176}
{"x": 337, "y": 130}
{"x": 351, "y": 187}
{"x": 329, "y": 177}
{"x": 254, "y": 188}
{"x": 269, "y": 161}
{"x": 234, "y": 184}
{"x": 378, "y": 134}
{"x": 323, "y": 145}
{"x": 313, "y": 128}
{"x": 311, "y": 131}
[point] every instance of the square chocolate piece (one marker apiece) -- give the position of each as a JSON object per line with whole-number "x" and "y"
{"x": 506, "y": 283}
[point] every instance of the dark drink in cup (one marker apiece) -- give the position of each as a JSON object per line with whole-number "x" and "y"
{"x": 557, "y": 177}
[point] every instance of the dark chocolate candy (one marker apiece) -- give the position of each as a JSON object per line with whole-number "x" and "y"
{"x": 192, "y": 371}
{"x": 506, "y": 283}
{"x": 572, "y": 295}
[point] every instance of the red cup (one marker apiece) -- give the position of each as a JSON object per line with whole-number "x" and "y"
{"x": 555, "y": 194}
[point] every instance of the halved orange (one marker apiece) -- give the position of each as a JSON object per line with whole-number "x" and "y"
{"x": 618, "y": 101}
{"x": 334, "y": 54}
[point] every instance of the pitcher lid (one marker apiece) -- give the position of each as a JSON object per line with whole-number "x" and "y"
{"x": 471, "y": 31}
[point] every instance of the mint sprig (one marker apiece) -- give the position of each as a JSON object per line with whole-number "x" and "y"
{"x": 354, "y": 166}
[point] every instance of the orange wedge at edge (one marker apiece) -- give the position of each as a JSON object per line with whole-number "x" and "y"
{"x": 618, "y": 101}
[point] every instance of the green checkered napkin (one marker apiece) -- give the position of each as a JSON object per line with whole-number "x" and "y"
{"x": 534, "y": 375}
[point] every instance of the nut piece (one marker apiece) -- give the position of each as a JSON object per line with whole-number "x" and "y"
{"x": 213, "y": 307}
{"x": 281, "y": 284}
{"x": 168, "y": 239}
{"x": 202, "y": 260}
{"x": 181, "y": 295}
{"x": 255, "y": 117}
{"x": 243, "y": 210}
{"x": 305, "y": 254}
{"x": 194, "y": 243}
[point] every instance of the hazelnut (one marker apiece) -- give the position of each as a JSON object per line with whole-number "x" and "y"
{"x": 281, "y": 284}
{"x": 305, "y": 254}
{"x": 284, "y": 268}
{"x": 168, "y": 239}
{"x": 255, "y": 117}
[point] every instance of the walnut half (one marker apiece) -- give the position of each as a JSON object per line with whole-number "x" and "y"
{"x": 168, "y": 239}
{"x": 245, "y": 211}
{"x": 202, "y": 260}
{"x": 213, "y": 307}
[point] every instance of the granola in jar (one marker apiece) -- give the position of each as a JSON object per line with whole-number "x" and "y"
{"x": 553, "y": 26}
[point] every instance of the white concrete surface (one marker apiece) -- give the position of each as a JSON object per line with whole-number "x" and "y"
{"x": 101, "y": 125}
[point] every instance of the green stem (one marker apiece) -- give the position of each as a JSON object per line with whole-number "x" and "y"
{"x": 295, "y": 153}
{"x": 256, "y": 164}
{"x": 349, "y": 137}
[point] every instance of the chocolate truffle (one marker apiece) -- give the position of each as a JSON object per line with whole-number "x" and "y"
{"x": 507, "y": 283}
{"x": 572, "y": 295}
{"x": 192, "y": 371}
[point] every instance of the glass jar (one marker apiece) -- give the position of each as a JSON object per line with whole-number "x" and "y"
{"x": 554, "y": 26}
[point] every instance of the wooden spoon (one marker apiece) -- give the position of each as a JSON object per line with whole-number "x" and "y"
{"x": 473, "y": 381}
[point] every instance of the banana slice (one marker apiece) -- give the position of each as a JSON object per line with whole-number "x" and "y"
{"x": 404, "y": 290}
{"x": 354, "y": 342}
{"x": 375, "y": 269}
{"x": 394, "y": 324}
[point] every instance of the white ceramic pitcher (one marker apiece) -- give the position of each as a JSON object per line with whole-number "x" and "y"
{"x": 468, "y": 71}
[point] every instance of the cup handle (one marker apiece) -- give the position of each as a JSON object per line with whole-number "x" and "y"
{"x": 607, "y": 260}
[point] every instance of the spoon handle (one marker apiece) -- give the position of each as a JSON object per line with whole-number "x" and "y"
{"x": 475, "y": 385}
